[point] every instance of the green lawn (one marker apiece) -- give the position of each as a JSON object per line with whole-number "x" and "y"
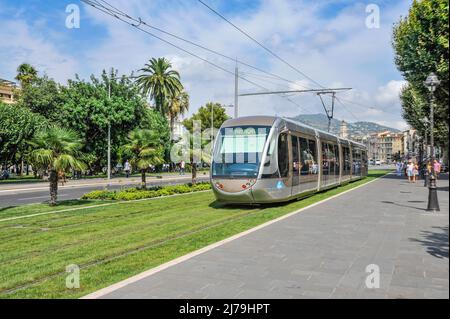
{"x": 113, "y": 242}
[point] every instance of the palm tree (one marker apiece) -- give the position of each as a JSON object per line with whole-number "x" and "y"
{"x": 159, "y": 81}
{"x": 178, "y": 105}
{"x": 56, "y": 150}
{"x": 145, "y": 150}
{"x": 26, "y": 73}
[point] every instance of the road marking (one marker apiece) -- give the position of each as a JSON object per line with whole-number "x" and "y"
{"x": 152, "y": 271}
{"x": 116, "y": 183}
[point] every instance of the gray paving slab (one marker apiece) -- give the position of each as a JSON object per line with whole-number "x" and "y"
{"x": 323, "y": 252}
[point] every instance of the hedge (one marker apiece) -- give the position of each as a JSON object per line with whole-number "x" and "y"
{"x": 136, "y": 193}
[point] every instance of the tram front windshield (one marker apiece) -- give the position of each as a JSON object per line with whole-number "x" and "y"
{"x": 238, "y": 151}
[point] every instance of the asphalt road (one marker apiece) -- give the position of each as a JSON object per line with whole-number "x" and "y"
{"x": 40, "y": 193}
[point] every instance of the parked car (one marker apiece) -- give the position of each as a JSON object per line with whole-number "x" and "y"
{"x": 377, "y": 162}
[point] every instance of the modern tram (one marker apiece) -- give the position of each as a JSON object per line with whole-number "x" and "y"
{"x": 266, "y": 159}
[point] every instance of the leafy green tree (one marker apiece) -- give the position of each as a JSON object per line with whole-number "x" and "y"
{"x": 203, "y": 152}
{"x": 17, "y": 126}
{"x": 421, "y": 45}
{"x": 41, "y": 96}
{"x": 26, "y": 74}
{"x": 144, "y": 148}
{"x": 159, "y": 81}
{"x": 204, "y": 116}
{"x": 57, "y": 150}
{"x": 178, "y": 105}
{"x": 87, "y": 109}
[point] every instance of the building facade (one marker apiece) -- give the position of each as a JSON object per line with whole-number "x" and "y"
{"x": 389, "y": 146}
{"x": 7, "y": 91}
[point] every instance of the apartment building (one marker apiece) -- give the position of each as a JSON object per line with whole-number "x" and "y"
{"x": 7, "y": 91}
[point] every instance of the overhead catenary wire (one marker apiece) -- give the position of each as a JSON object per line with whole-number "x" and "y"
{"x": 259, "y": 43}
{"x": 140, "y": 21}
{"x": 114, "y": 13}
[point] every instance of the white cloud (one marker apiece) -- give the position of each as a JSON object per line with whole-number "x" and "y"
{"x": 337, "y": 51}
{"x": 21, "y": 44}
{"x": 389, "y": 94}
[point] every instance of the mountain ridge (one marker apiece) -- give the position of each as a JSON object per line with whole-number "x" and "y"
{"x": 359, "y": 128}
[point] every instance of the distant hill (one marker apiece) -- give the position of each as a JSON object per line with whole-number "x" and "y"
{"x": 320, "y": 121}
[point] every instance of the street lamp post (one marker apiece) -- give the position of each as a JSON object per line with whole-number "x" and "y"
{"x": 109, "y": 134}
{"x": 425, "y": 152}
{"x": 431, "y": 83}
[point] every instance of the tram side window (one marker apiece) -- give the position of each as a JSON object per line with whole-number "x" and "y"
{"x": 283, "y": 155}
{"x": 356, "y": 161}
{"x": 337, "y": 160}
{"x": 325, "y": 163}
{"x": 313, "y": 151}
{"x": 331, "y": 159}
{"x": 347, "y": 164}
{"x": 305, "y": 157}
{"x": 295, "y": 156}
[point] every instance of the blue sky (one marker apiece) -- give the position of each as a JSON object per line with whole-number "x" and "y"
{"x": 328, "y": 40}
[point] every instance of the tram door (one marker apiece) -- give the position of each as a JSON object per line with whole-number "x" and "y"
{"x": 295, "y": 165}
{"x": 284, "y": 164}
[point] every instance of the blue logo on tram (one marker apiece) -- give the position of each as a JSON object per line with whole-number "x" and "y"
{"x": 280, "y": 185}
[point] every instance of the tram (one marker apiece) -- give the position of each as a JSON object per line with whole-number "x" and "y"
{"x": 267, "y": 159}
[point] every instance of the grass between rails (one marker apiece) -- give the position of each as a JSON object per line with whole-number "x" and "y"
{"x": 112, "y": 243}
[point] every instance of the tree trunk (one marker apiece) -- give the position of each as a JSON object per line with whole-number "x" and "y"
{"x": 172, "y": 124}
{"x": 53, "y": 178}
{"x": 194, "y": 173}
{"x": 144, "y": 181}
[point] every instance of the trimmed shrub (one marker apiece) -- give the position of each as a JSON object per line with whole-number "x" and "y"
{"x": 137, "y": 193}
{"x": 100, "y": 194}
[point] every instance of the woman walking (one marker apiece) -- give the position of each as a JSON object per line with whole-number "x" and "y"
{"x": 410, "y": 171}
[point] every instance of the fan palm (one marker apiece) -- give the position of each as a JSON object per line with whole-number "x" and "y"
{"x": 56, "y": 150}
{"x": 178, "y": 105}
{"x": 160, "y": 82}
{"x": 144, "y": 147}
{"x": 26, "y": 73}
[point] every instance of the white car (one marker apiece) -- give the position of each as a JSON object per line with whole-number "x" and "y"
{"x": 377, "y": 162}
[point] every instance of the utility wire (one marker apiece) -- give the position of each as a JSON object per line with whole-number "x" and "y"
{"x": 120, "y": 12}
{"x": 259, "y": 43}
{"x": 114, "y": 13}
{"x": 348, "y": 110}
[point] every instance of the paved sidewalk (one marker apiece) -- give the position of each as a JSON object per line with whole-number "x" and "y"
{"x": 323, "y": 252}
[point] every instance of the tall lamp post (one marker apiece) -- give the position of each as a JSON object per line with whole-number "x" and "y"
{"x": 431, "y": 83}
{"x": 425, "y": 151}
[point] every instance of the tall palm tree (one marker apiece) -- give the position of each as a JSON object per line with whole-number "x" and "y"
{"x": 56, "y": 150}
{"x": 144, "y": 147}
{"x": 160, "y": 82}
{"x": 178, "y": 105}
{"x": 26, "y": 73}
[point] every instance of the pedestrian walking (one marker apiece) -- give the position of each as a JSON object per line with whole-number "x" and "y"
{"x": 182, "y": 167}
{"x": 398, "y": 166}
{"x": 410, "y": 171}
{"x": 127, "y": 168}
{"x": 415, "y": 172}
{"x": 437, "y": 168}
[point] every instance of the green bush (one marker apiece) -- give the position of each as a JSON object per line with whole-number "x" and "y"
{"x": 137, "y": 193}
{"x": 100, "y": 194}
